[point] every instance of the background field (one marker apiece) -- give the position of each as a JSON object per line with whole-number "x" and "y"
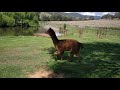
{"x": 90, "y": 23}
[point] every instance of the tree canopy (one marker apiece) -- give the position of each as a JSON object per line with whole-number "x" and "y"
{"x": 109, "y": 16}
{"x": 19, "y": 18}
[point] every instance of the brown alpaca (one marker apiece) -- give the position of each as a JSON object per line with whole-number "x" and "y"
{"x": 65, "y": 45}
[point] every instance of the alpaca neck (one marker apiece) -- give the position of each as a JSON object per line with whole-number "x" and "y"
{"x": 54, "y": 39}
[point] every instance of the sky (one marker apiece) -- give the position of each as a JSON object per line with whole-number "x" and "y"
{"x": 93, "y": 13}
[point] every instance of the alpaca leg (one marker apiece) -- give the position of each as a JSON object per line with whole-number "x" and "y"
{"x": 56, "y": 54}
{"x": 61, "y": 55}
{"x": 78, "y": 55}
{"x": 71, "y": 56}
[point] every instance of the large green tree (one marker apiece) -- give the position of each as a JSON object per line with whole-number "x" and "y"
{"x": 19, "y": 18}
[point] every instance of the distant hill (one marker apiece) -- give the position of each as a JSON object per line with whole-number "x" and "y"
{"x": 81, "y": 16}
{"x": 97, "y": 17}
{"x": 73, "y": 15}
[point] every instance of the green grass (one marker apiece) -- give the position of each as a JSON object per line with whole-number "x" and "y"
{"x": 26, "y": 54}
{"x": 23, "y": 53}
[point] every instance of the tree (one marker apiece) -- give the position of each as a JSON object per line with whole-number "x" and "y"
{"x": 1, "y": 15}
{"x": 91, "y": 18}
{"x": 64, "y": 26}
{"x": 45, "y": 18}
{"x": 108, "y": 16}
{"x": 19, "y": 18}
{"x": 7, "y": 21}
{"x": 117, "y": 15}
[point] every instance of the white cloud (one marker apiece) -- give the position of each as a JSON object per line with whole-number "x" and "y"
{"x": 88, "y": 13}
{"x": 84, "y": 13}
{"x": 112, "y": 13}
{"x": 104, "y": 13}
{"x": 67, "y": 12}
{"x": 93, "y": 13}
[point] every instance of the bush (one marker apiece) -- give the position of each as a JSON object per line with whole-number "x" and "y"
{"x": 19, "y": 19}
{"x": 33, "y": 23}
{"x": 7, "y": 21}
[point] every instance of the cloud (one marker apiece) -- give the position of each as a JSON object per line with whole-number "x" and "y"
{"x": 104, "y": 13}
{"x": 67, "y": 12}
{"x": 88, "y": 13}
{"x": 93, "y": 13}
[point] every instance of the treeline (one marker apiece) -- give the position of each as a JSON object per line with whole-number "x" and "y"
{"x": 58, "y": 17}
{"x": 109, "y": 16}
{"x": 26, "y": 19}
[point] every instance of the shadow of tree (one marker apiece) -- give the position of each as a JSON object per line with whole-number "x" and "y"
{"x": 99, "y": 60}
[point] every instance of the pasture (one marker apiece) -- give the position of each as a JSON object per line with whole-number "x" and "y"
{"x": 32, "y": 56}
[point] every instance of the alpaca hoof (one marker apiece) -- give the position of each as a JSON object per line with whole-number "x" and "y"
{"x": 55, "y": 59}
{"x": 70, "y": 60}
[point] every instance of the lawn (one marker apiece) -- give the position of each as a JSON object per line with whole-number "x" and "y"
{"x": 22, "y": 55}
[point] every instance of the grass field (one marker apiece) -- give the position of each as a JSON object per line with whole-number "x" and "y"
{"x": 21, "y": 56}
{"x": 90, "y": 23}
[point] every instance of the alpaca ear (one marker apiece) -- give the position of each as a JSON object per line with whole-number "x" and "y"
{"x": 50, "y": 28}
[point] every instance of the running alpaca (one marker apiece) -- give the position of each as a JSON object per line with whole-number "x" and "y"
{"x": 65, "y": 45}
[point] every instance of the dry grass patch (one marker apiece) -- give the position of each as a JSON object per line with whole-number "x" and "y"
{"x": 43, "y": 73}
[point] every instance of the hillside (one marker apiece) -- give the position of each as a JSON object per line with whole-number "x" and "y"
{"x": 81, "y": 16}
{"x": 73, "y": 15}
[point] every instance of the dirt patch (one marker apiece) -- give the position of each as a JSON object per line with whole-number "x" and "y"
{"x": 41, "y": 34}
{"x": 45, "y": 74}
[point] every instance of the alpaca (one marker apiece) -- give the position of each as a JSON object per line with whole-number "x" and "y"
{"x": 70, "y": 45}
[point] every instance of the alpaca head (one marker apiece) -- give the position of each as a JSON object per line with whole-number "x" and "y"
{"x": 50, "y": 31}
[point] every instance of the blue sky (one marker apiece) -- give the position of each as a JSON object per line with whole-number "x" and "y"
{"x": 94, "y": 13}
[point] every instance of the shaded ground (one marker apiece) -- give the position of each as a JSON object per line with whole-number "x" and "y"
{"x": 99, "y": 60}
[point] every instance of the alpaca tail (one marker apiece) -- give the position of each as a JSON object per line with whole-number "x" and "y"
{"x": 81, "y": 45}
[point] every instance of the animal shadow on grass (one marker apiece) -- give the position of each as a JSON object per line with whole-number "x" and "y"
{"x": 101, "y": 60}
